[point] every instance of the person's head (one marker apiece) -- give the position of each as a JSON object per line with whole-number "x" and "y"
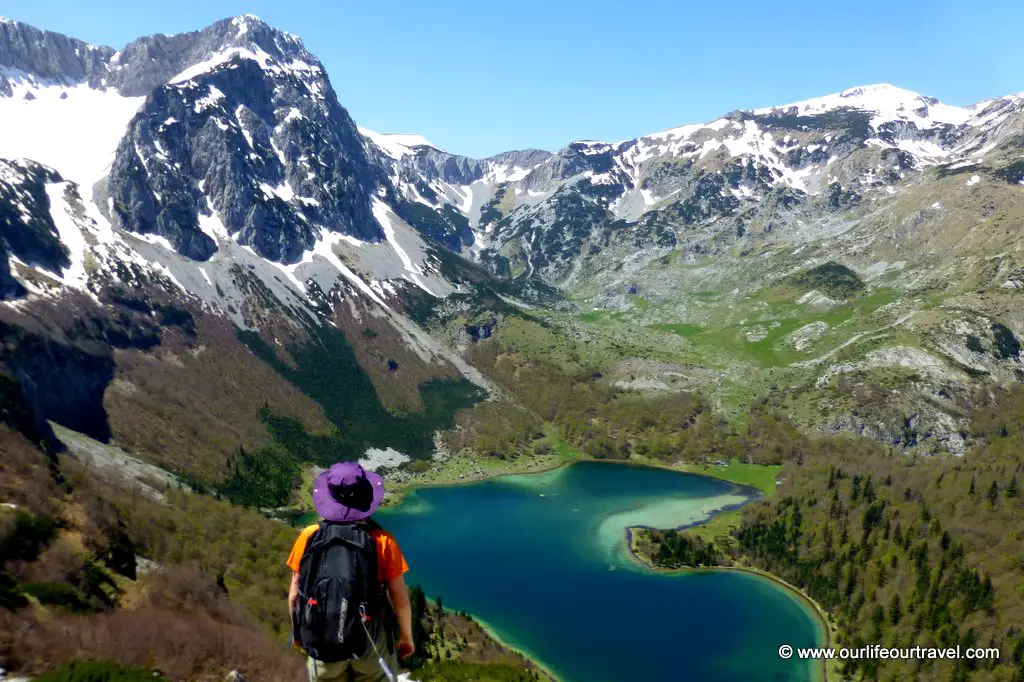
{"x": 346, "y": 493}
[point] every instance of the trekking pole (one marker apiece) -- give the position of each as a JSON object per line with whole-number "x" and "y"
{"x": 380, "y": 658}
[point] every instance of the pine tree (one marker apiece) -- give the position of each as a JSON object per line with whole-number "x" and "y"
{"x": 993, "y": 493}
{"x": 1011, "y": 490}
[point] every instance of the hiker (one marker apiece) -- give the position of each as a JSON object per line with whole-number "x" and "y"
{"x": 343, "y": 571}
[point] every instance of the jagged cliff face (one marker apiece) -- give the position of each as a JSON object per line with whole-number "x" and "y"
{"x": 142, "y": 65}
{"x": 200, "y": 151}
{"x": 238, "y": 119}
{"x": 252, "y": 138}
{"x": 29, "y": 234}
{"x": 217, "y": 172}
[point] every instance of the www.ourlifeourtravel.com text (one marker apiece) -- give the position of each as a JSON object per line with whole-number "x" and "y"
{"x": 877, "y": 651}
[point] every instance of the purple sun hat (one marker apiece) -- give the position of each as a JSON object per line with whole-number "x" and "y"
{"x": 347, "y": 492}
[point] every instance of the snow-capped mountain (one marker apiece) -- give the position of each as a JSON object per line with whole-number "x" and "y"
{"x": 540, "y": 213}
{"x": 150, "y": 196}
{"x": 238, "y": 151}
{"x": 189, "y": 188}
{"x": 231, "y": 139}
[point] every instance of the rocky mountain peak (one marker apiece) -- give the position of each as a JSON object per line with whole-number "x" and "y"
{"x": 51, "y": 56}
{"x": 885, "y": 101}
{"x": 241, "y": 138}
{"x": 144, "y": 63}
{"x": 153, "y": 60}
{"x": 250, "y": 32}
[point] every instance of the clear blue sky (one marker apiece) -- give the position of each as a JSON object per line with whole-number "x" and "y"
{"x": 482, "y": 77}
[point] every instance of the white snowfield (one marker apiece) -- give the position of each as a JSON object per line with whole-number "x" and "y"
{"x": 375, "y": 458}
{"x": 888, "y": 102}
{"x": 397, "y": 145}
{"x": 72, "y": 129}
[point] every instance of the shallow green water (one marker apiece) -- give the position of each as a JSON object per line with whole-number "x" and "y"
{"x": 542, "y": 560}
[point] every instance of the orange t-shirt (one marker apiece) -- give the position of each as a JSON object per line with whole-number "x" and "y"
{"x": 390, "y": 562}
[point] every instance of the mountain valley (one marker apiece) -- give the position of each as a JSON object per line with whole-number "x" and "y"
{"x": 208, "y": 267}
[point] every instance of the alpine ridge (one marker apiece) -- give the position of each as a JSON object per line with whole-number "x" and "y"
{"x": 217, "y": 171}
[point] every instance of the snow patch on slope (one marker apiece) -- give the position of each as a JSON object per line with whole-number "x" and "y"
{"x": 73, "y": 129}
{"x": 375, "y": 458}
{"x": 70, "y": 234}
{"x": 266, "y": 62}
{"x": 396, "y": 145}
{"x": 385, "y": 217}
{"x": 888, "y": 102}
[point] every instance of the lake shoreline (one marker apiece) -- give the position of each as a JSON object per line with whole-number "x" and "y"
{"x": 752, "y": 492}
{"x": 398, "y": 493}
{"x": 532, "y": 658}
{"x": 821, "y": 616}
{"x": 551, "y": 463}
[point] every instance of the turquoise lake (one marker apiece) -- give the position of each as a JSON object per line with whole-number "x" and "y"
{"x": 542, "y": 560}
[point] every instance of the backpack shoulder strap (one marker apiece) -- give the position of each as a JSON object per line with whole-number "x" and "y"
{"x": 308, "y": 564}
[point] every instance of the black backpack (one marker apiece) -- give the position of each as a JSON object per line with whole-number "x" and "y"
{"x": 337, "y": 585}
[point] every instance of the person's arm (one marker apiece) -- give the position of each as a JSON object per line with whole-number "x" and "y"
{"x": 293, "y": 594}
{"x": 403, "y": 609}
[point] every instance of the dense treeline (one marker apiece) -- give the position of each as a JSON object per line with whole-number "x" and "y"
{"x": 904, "y": 550}
{"x": 589, "y": 413}
{"x": 678, "y": 549}
{"x": 496, "y": 429}
{"x": 609, "y": 423}
{"x": 832, "y": 278}
{"x": 266, "y": 476}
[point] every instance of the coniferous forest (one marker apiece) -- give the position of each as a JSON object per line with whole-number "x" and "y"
{"x": 899, "y": 550}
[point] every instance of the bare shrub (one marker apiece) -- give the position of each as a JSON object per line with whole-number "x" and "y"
{"x": 25, "y": 478}
{"x": 58, "y": 563}
{"x": 182, "y": 646}
{"x": 186, "y": 589}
